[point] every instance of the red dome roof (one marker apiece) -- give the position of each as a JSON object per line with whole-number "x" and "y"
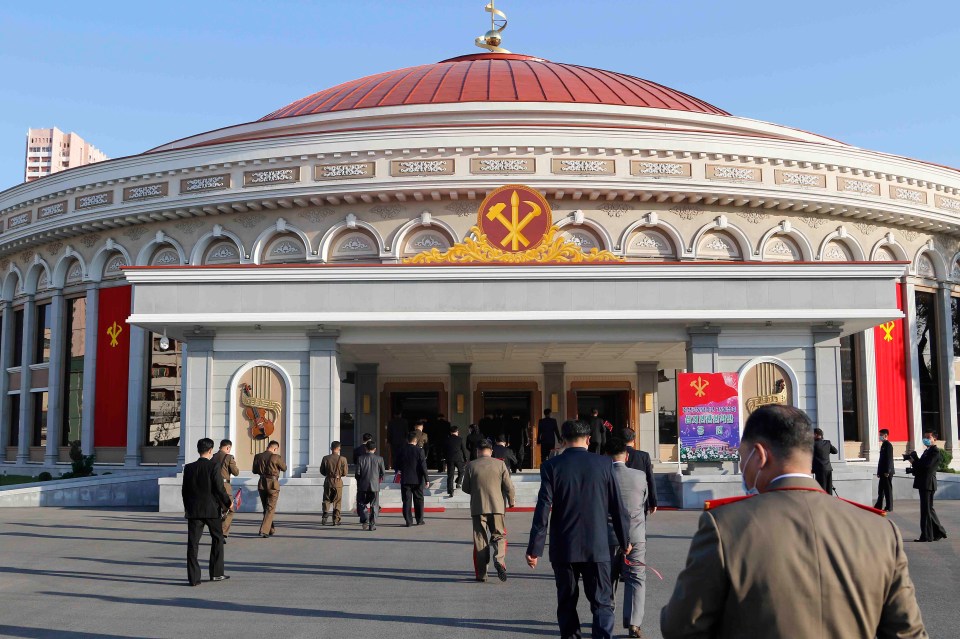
{"x": 494, "y": 77}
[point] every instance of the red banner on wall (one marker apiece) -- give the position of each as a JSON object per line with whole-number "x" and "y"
{"x": 113, "y": 367}
{"x": 892, "y": 375}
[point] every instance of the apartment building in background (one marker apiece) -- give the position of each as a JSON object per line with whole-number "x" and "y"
{"x": 51, "y": 150}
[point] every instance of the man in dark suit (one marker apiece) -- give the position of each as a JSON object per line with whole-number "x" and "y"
{"x": 370, "y": 473}
{"x": 924, "y": 469}
{"x": 204, "y": 500}
{"x": 361, "y": 450}
{"x": 822, "y": 468}
{"x": 548, "y": 434}
{"x": 598, "y": 432}
{"x": 412, "y": 466}
{"x": 640, "y": 460}
{"x": 455, "y": 457}
{"x": 578, "y": 497}
{"x": 885, "y": 473}
{"x": 505, "y": 454}
{"x": 397, "y": 429}
{"x": 474, "y": 437}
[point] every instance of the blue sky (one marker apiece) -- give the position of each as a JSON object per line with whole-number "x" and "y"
{"x": 128, "y": 76}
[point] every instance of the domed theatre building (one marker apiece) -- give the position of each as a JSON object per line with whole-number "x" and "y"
{"x": 491, "y": 234}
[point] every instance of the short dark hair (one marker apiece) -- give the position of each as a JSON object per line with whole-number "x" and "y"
{"x": 818, "y": 432}
{"x": 454, "y": 428}
{"x": 546, "y": 412}
{"x": 628, "y": 434}
{"x": 930, "y": 432}
{"x": 371, "y": 445}
{"x": 785, "y": 429}
{"x": 225, "y": 442}
{"x": 205, "y": 445}
{"x": 485, "y": 444}
{"x": 615, "y": 446}
{"x": 595, "y": 411}
{"x": 884, "y": 431}
{"x": 273, "y": 443}
{"x": 501, "y": 439}
{"x": 574, "y": 429}
{"x": 367, "y": 437}
{"x": 334, "y": 445}
{"x": 412, "y": 436}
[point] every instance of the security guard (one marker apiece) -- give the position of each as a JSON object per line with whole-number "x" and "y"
{"x": 228, "y": 466}
{"x": 791, "y": 560}
{"x": 269, "y": 465}
{"x": 334, "y": 468}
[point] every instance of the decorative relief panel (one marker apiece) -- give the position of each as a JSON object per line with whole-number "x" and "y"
{"x": 584, "y": 240}
{"x": 753, "y": 217}
{"x": 814, "y": 222}
{"x": 52, "y": 210}
{"x": 209, "y": 183}
{"x": 733, "y": 173}
{"x": 686, "y": 211}
{"x": 907, "y": 195}
{"x": 461, "y": 208}
{"x": 836, "y": 252}
{"x": 582, "y": 167}
{"x": 115, "y": 264}
{"x": 884, "y": 254}
{"x": 615, "y": 209}
{"x": 93, "y": 200}
{"x": 344, "y": 171}
{"x": 132, "y": 193}
{"x": 925, "y": 267}
{"x": 948, "y": 204}
{"x": 19, "y": 219}
{"x": 955, "y": 271}
{"x": 353, "y": 246}
{"x": 650, "y": 244}
{"x": 285, "y": 248}
{"x": 718, "y": 246}
{"x": 75, "y": 274}
{"x": 781, "y": 249}
{"x": 424, "y": 241}
{"x": 798, "y": 178}
{"x": 503, "y": 165}
{"x": 265, "y": 177}
{"x": 865, "y": 228}
{"x": 642, "y": 168}
{"x": 408, "y": 168}
{"x": 221, "y": 253}
{"x": 861, "y": 187}
{"x": 165, "y": 257}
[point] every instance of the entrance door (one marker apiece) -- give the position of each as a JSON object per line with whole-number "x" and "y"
{"x": 612, "y": 405}
{"x": 509, "y": 413}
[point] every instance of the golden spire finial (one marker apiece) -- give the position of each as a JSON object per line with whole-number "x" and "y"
{"x": 491, "y": 39}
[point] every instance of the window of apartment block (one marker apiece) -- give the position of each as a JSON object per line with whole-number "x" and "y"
{"x": 927, "y": 359}
{"x": 39, "y": 430}
{"x": 163, "y": 389}
{"x": 17, "y": 339}
{"x": 42, "y": 354}
{"x": 75, "y": 353}
{"x": 14, "y": 419}
{"x": 848, "y": 388}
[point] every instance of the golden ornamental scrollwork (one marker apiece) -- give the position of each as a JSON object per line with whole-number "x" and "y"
{"x": 554, "y": 248}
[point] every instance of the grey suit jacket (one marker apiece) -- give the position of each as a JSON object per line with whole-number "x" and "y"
{"x": 633, "y": 490}
{"x": 370, "y": 472}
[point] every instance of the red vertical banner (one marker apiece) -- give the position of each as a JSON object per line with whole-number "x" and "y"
{"x": 113, "y": 367}
{"x": 892, "y": 375}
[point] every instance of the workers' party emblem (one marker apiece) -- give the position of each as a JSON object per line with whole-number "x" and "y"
{"x": 114, "y": 333}
{"x": 515, "y": 218}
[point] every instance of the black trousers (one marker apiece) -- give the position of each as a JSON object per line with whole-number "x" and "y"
{"x": 930, "y": 528}
{"x": 825, "y": 479}
{"x": 597, "y": 586}
{"x": 194, "y": 533}
{"x": 408, "y": 493}
{"x": 368, "y": 500}
{"x": 545, "y": 451}
{"x": 885, "y": 493}
{"x": 451, "y": 466}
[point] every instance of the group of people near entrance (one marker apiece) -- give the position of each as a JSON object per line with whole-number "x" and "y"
{"x": 787, "y": 559}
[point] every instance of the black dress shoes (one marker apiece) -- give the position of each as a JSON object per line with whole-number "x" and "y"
{"x": 220, "y": 578}
{"x": 501, "y": 570}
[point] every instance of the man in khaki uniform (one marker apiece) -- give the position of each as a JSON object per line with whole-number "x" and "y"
{"x": 791, "y": 561}
{"x": 334, "y": 468}
{"x": 269, "y": 465}
{"x": 228, "y": 466}
{"x": 487, "y": 481}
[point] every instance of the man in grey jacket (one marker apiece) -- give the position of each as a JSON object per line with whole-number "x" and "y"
{"x": 630, "y": 568}
{"x": 370, "y": 473}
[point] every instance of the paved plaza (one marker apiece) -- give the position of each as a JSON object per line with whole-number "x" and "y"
{"x": 110, "y": 573}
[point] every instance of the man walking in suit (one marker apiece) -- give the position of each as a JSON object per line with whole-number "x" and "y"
{"x": 474, "y": 437}
{"x": 397, "y": 429}
{"x": 548, "y": 434}
{"x": 924, "y": 469}
{"x": 640, "y": 460}
{"x": 412, "y": 466}
{"x": 581, "y": 491}
{"x": 361, "y": 450}
{"x": 598, "y": 432}
{"x": 822, "y": 468}
{"x": 203, "y": 500}
{"x": 455, "y": 456}
{"x": 885, "y": 472}
{"x": 791, "y": 561}
{"x": 505, "y": 454}
{"x": 488, "y": 484}
{"x": 334, "y": 468}
{"x": 630, "y": 568}
{"x": 228, "y": 466}
{"x": 269, "y": 465}
{"x": 370, "y": 473}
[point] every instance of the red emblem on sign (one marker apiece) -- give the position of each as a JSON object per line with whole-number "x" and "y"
{"x": 515, "y": 218}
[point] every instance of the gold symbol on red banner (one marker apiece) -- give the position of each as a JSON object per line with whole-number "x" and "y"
{"x": 514, "y": 225}
{"x": 888, "y": 330}
{"x": 114, "y": 332}
{"x": 698, "y": 385}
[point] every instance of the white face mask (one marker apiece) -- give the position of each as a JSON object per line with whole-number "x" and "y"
{"x": 743, "y": 477}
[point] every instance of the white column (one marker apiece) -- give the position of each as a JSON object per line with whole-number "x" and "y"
{"x": 26, "y": 398}
{"x": 826, "y": 346}
{"x": 911, "y": 344}
{"x": 137, "y": 404}
{"x": 703, "y": 350}
{"x": 6, "y": 355}
{"x": 647, "y": 420}
{"x": 324, "y": 401}
{"x": 196, "y": 409}
{"x": 55, "y": 378}
{"x": 867, "y": 394}
{"x": 946, "y": 376}
{"x": 89, "y": 368}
